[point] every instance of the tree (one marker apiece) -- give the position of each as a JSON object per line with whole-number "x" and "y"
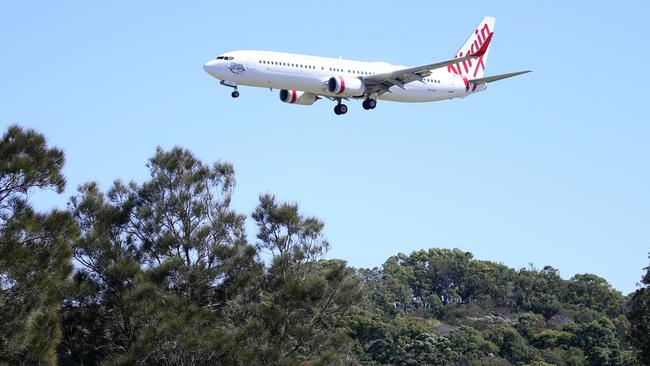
{"x": 593, "y": 292}
{"x": 183, "y": 214}
{"x": 97, "y": 318}
{"x": 305, "y": 298}
{"x": 34, "y": 249}
{"x": 638, "y": 312}
{"x": 166, "y": 268}
{"x": 471, "y": 344}
{"x": 599, "y": 342}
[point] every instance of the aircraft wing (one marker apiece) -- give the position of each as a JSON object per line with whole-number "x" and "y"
{"x": 381, "y": 83}
{"x": 490, "y": 79}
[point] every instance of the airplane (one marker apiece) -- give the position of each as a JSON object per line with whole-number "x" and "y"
{"x": 304, "y": 79}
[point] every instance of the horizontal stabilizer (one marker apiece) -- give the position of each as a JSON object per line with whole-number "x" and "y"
{"x": 490, "y": 79}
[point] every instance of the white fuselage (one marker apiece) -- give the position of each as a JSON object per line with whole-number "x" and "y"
{"x": 278, "y": 70}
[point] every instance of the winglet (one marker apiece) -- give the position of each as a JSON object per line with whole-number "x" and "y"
{"x": 484, "y": 46}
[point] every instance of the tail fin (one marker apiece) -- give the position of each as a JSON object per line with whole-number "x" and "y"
{"x": 474, "y": 68}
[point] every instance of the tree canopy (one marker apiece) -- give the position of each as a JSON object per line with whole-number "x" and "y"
{"x": 34, "y": 249}
{"x": 163, "y": 272}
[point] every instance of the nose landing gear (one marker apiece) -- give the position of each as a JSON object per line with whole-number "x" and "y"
{"x": 231, "y": 84}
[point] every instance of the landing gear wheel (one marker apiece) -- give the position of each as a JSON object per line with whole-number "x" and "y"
{"x": 341, "y": 109}
{"x": 234, "y": 94}
{"x": 369, "y": 104}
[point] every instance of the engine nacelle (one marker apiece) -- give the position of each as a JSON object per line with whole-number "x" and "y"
{"x": 342, "y": 86}
{"x": 297, "y": 97}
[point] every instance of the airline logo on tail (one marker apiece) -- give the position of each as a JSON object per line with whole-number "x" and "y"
{"x": 474, "y": 68}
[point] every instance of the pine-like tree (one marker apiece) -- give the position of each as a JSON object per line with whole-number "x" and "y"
{"x": 166, "y": 269}
{"x": 304, "y": 297}
{"x": 34, "y": 250}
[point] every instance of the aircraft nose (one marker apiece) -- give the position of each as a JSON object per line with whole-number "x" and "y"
{"x": 210, "y": 67}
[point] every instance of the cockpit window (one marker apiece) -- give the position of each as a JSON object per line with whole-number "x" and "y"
{"x": 225, "y": 58}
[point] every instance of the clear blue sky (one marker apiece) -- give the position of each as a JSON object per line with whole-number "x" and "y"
{"x": 551, "y": 167}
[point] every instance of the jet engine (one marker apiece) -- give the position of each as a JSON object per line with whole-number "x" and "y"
{"x": 342, "y": 86}
{"x": 297, "y": 97}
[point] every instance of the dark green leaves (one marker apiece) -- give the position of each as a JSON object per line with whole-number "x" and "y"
{"x": 638, "y": 313}
{"x": 34, "y": 250}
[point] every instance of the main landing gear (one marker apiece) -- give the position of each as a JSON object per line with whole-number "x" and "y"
{"x": 235, "y": 94}
{"x": 369, "y": 104}
{"x": 340, "y": 108}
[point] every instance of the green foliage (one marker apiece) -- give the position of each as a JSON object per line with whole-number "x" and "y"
{"x": 304, "y": 298}
{"x": 26, "y": 162}
{"x": 599, "y": 341}
{"x": 638, "y": 313}
{"x": 490, "y": 314}
{"x": 530, "y": 324}
{"x": 165, "y": 275}
{"x": 472, "y": 345}
{"x": 163, "y": 265}
{"x": 34, "y": 250}
{"x": 593, "y": 292}
{"x": 550, "y": 338}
